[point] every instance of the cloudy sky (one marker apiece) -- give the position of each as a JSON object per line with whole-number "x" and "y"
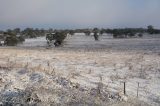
{"x": 79, "y": 13}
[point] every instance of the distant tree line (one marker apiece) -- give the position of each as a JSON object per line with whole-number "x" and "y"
{"x": 33, "y": 33}
{"x": 36, "y": 32}
{"x": 27, "y": 33}
{"x": 125, "y": 33}
{"x": 14, "y": 36}
{"x": 119, "y": 32}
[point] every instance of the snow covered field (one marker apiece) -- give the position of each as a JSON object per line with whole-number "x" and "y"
{"x": 80, "y": 41}
{"x": 82, "y": 72}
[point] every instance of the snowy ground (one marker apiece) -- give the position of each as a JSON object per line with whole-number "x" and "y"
{"x": 82, "y": 72}
{"x": 80, "y": 41}
{"x": 35, "y": 42}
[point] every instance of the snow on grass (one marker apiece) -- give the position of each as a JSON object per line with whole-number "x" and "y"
{"x": 87, "y": 69}
{"x": 84, "y": 67}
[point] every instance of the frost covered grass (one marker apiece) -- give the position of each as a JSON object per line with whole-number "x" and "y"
{"x": 80, "y": 75}
{"x": 77, "y": 77}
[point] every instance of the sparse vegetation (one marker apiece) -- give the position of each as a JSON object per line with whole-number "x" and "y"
{"x": 93, "y": 75}
{"x": 33, "y": 33}
{"x": 48, "y": 83}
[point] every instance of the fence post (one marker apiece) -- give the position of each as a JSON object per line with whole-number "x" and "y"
{"x": 124, "y": 88}
{"x": 137, "y": 90}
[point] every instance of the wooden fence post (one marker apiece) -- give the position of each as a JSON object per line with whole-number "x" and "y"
{"x": 137, "y": 90}
{"x": 124, "y": 88}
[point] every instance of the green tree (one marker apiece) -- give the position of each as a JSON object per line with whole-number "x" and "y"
{"x": 17, "y": 31}
{"x": 150, "y": 29}
{"x": 50, "y": 30}
{"x": 102, "y": 31}
{"x": 96, "y": 36}
{"x": 58, "y": 36}
{"x": 11, "y": 39}
{"x": 140, "y": 35}
{"x": 29, "y": 33}
{"x": 9, "y": 31}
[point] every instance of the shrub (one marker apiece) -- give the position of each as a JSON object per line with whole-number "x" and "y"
{"x": 11, "y": 40}
{"x": 95, "y": 31}
{"x": 140, "y": 35}
{"x": 57, "y": 36}
{"x": 21, "y": 39}
{"x": 115, "y": 35}
{"x": 131, "y": 34}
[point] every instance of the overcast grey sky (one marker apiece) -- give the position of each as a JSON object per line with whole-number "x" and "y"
{"x": 79, "y": 13}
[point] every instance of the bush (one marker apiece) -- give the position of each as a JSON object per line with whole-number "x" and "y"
{"x": 21, "y": 39}
{"x": 115, "y": 36}
{"x": 95, "y": 31}
{"x": 140, "y": 35}
{"x": 58, "y": 37}
{"x": 11, "y": 40}
{"x": 131, "y": 34}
